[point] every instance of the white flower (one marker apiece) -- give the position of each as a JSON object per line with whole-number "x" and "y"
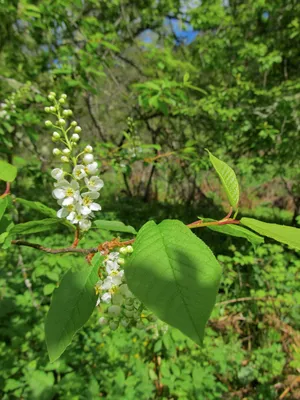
{"x": 87, "y": 205}
{"x": 94, "y": 183}
{"x": 57, "y": 174}
{"x": 111, "y": 266}
{"x": 85, "y": 224}
{"x": 79, "y": 172}
{"x": 64, "y": 212}
{"x": 106, "y": 298}
{"x": 68, "y": 192}
{"x": 92, "y": 168}
{"x": 88, "y": 158}
{"x": 114, "y": 256}
{"x": 113, "y": 280}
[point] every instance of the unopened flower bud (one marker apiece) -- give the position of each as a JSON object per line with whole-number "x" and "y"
{"x": 63, "y": 96}
{"x": 61, "y": 122}
{"x": 48, "y": 123}
{"x": 121, "y": 261}
{"x": 77, "y": 129}
{"x": 75, "y": 137}
{"x": 129, "y": 249}
{"x": 47, "y": 109}
{"x": 73, "y": 123}
{"x": 52, "y": 94}
{"x": 88, "y": 149}
{"x": 123, "y": 250}
{"x": 64, "y": 159}
{"x": 51, "y": 98}
{"x": 67, "y": 113}
{"x": 88, "y": 158}
{"x": 52, "y": 109}
{"x": 62, "y": 101}
{"x": 55, "y": 135}
{"x": 56, "y": 152}
{"x": 66, "y": 151}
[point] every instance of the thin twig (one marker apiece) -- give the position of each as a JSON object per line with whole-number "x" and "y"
{"x": 241, "y": 299}
{"x": 54, "y": 251}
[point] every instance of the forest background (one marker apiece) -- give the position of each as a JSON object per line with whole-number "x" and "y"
{"x": 153, "y": 83}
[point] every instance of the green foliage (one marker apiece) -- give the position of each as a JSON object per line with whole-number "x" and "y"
{"x": 71, "y": 306}
{"x": 8, "y": 172}
{"x": 3, "y": 205}
{"x": 228, "y": 179}
{"x": 30, "y": 227}
{"x": 114, "y": 226}
{"x": 281, "y": 233}
{"x": 182, "y": 276}
{"x": 235, "y": 230}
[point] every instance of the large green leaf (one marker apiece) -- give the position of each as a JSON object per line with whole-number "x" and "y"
{"x": 235, "y": 230}
{"x": 175, "y": 275}
{"x": 34, "y": 226}
{"x": 72, "y": 305}
{"x": 228, "y": 179}
{"x": 3, "y": 205}
{"x": 114, "y": 226}
{"x": 8, "y": 172}
{"x": 281, "y": 233}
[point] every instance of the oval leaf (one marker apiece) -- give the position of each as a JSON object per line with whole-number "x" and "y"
{"x": 8, "y": 172}
{"x": 34, "y": 226}
{"x": 281, "y": 233}
{"x": 114, "y": 226}
{"x": 175, "y": 275}
{"x": 228, "y": 179}
{"x": 235, "y": 230}
{"x": 71, "y": 306}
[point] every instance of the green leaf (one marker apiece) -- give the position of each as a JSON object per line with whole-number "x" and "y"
{"x": 8, "y": 172}
{"x": 175, "y": 275}
{"x": 228, "y": 179}
{"x": 34, "y": 226}
{"x": 37, "y": 206}
{"x": 47, "y": 211}
{"x": 3, "y": 205}
{"x": 235, "y": 230}
{"x": 114, "y": 226}
{"x": 72, "y": 305}
{"x": 281, "y": 233}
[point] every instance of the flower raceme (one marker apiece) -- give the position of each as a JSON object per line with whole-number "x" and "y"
{"x": 77, "y": 183}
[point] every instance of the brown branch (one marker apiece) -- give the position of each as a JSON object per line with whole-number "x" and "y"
{"x": 54, "y": 251}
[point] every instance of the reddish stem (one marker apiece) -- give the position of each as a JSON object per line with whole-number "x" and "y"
{"x": 7, "y": 191}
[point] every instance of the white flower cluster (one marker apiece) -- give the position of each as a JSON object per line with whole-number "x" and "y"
{"x": 123, "y": 308}
{"x": 76, "y": 190}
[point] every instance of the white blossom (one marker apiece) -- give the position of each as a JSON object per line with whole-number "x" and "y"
{"x": 79, "y": 172}
{"x": 94, "y": 183}
{"x": 68, "y": 192}
{"x": 87, "y": 204}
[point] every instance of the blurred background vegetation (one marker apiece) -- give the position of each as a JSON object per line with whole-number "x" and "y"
{"x": 153, "y": 83}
